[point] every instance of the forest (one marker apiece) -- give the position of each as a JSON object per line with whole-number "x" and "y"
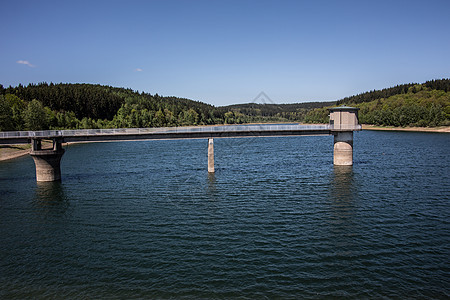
{"x": 85, "y": 106}
{"x": 419, "y": 105}
{"x": 76, "y": 106}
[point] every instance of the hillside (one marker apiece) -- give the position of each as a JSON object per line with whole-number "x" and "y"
{"x": 56, "y": 106}
{"x": 255, "y": 112}
{"x": 403, "y": 105}
{"x": 420, "y": 106}
{"x": 441, "y": 84}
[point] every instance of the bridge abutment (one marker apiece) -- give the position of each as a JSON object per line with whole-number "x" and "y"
{"x": 47, "y": 161}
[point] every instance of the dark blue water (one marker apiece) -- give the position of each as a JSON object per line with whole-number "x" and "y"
{"x": 277, "y": 220}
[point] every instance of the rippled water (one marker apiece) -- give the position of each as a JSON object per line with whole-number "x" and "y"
{"x": 277, "y": 220}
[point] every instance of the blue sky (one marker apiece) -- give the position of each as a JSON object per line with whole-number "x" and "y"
{"x": 227, "y": 52}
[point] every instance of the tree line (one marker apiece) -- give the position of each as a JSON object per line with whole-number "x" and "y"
{"x": 440, "y": 84}
{"x": 78, "y": 106}
{"x": 411, "y": 104}
{"x": 420, "y": 106}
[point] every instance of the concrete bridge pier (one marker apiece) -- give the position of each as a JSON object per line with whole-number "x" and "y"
{"x": 343, "y": 148}
{"x": 47, "y": 161}
{"x": 211, "y": 155}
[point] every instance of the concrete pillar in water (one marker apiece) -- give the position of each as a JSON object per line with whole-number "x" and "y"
{"x": 211, "y": 155}
{"x": 47, "y": 161}
{"x": 343, "y": 148}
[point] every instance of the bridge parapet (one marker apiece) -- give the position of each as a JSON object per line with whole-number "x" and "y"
{"x": 21, "y": 137}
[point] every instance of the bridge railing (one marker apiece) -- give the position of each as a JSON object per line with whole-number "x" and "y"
{"x": 190, "y": 129}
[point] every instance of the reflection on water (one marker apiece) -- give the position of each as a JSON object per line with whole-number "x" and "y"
{"x": 342, "y": 196}
{"x": 211, "y": 182}
{"x": 342, "y": 184}
{"x": 50, "y": 198}
{"x": 49, "y": 192}
{"x": 343, "y": 228}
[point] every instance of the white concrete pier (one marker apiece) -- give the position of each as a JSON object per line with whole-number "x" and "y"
{"x": 211, "y": 156}
{"x": 343, "y": 148}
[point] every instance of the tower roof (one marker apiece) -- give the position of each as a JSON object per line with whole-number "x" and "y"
{"x": 343, "y": 108}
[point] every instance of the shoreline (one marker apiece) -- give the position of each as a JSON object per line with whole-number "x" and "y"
{"x": 8, "y": 152}
{"x": 439, "y": 129}
{"x": 12, "y": 152}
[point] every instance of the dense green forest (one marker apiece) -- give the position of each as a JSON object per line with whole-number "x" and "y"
{"x": 442, "y": 84}
{"x": 76, "y": 106}
{"x": 422, "y": 105}
{"x": 73, "y": 106}
{"x": 411, "y": 104}
{"x": 254, "y": 112}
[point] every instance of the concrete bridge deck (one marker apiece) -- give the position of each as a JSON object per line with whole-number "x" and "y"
{"x": 128, "y": 134}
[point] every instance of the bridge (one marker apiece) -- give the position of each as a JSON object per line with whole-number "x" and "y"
{"x": 343, "y": 121}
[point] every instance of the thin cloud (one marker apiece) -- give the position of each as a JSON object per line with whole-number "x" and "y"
{"x": 26, "y": 62}
{"x": 138, "y": 70}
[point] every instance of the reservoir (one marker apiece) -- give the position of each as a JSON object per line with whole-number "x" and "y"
{"x": 144, "y": 219}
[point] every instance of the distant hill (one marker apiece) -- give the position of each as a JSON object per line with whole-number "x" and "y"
{"x": 317, "y": 112}
{"x": 422, "y": 105}
{"x": 441, "y": 84}
{"x": 255, "y": 112}
{"x": 97, "y": 106}
{"x": 98, "y": 101}
{"x": 269, "y": 108}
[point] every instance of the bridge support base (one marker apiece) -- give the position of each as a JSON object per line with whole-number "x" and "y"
{"x": 47, "y": 161}
{"x": 343, "y": 148}
{"x": 211, "y": 156}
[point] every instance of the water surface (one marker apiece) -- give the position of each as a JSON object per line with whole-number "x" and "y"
{"x": 145, "y": 220}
